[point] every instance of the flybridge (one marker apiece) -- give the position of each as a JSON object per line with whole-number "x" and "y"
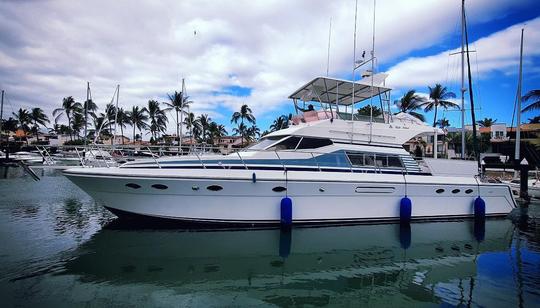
{"x": 341, "y": 92}
{"x": 336, "y": 99}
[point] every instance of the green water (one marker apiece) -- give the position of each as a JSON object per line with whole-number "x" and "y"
{"x": 61, "y": 249}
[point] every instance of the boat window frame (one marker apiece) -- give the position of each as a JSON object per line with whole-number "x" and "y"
{"x": 371, "y": 158}
{"x": 281, "y": 138}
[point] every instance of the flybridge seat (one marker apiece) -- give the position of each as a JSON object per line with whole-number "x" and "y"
{"x": 313, "y": 115}
{"x": 358, "y": 117}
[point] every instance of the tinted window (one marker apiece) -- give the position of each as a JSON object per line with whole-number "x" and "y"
{"x": 287, "y": 144}
{"x": 379, "y": 160}
{"x": 394, "y": 161}
{"x": 313, "y": 143}
{"x": 264, "y": 143}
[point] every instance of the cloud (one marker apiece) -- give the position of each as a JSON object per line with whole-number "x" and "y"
{"x": 497, "y": 53}
{"x": 49, "y": 49}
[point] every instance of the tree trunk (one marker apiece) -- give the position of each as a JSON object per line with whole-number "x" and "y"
{"x": 435, "y": 118}
{"x": 178, "y": 130}
{"x": 133, "y": 133}
{"x": 122, "y": 132}
{"x": 69, "y": 126}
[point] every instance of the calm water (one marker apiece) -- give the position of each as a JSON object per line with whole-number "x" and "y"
{"x": 59, "y": 248}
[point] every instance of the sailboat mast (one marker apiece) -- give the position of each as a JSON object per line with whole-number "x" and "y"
{"x": 518, "y": 128}
{"x": 116, "y": 115}
{"x": 372, "y": 72}
{"x": 463, "y": 79}
{"x": 353, "y": 69}
{"x": 471, "y": 96}
{"x": 86, "y": 113}
{"x": 183, "y": 98}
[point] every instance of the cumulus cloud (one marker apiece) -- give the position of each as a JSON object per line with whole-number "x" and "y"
{"x": 48, "y": 50}
{"x": 497, "y": 53}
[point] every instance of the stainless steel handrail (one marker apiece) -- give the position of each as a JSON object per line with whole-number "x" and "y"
{"x": 154, "y": 158}
{"x": 242, "y": 160}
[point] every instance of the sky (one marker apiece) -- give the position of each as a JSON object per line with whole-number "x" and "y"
{"x": 258, "y": 52}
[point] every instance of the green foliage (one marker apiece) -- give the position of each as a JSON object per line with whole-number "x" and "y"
{"x": 366, "y": 111}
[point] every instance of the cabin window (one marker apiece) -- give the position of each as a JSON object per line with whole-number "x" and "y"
{"x": 379, "y": 160}
{"x": 287, "y": 144}
{"x": 264, "y": 143}
{"x": 313, "y": 143}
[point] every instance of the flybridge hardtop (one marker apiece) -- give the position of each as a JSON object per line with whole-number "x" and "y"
{"x": 339, "y": 91}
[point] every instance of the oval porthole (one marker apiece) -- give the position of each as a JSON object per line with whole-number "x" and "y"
{"x": 159, "y": 186}
{"x": 214, "y": 188}
{"x": 468, "y": 191}
{"x": 195, "y": 187}
{"x": 439, "y": 191}
{"x": 455, "y": 191}
{"x": 279, "y": 189}
{"x": 133, "y": 185}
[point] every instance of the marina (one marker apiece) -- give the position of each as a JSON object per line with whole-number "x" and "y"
{"x": 61, "y": 248}
{"x": 383, "y": 180}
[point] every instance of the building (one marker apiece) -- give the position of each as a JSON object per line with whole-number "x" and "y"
{"x": 226, "y": 144}
{"x": 118, "y": 139}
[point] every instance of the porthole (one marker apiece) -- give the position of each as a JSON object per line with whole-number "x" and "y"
{"x": 455, "y": 191}
{"x": 133, "y": 185}
{"x": 214, "y": 188}
{"x": 195, "y": 187}
{"x": 468, "y": 191}
{"x": 279, "y": 189}
{"x": 159, "y": 186}
{"x": 439, "y": 191}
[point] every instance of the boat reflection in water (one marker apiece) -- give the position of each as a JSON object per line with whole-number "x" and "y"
{"x": 375, "y": 264}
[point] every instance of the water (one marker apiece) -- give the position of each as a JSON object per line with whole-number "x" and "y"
{"x": 59, "y": 248}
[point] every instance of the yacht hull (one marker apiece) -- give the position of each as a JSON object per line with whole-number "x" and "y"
{"x": 246, "y": 197}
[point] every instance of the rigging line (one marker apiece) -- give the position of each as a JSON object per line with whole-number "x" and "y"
{"x": 328, "y": 54}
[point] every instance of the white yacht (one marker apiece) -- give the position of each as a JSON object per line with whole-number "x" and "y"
{"x": 332, "y": 164}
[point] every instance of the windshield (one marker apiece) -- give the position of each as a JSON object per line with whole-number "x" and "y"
{"x": 264, "y": 143}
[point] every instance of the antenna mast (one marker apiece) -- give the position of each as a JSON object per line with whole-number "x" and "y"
{"x": 353, "y": 69}
{"x": 328, "y": 54}
{"x": 372, "y": 73}
{"x": 517, "y": 154}
{"x": 463, "y": 89}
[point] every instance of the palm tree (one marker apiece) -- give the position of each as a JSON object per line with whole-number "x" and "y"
{"x": 78, "y": 123}
{"x": 192, "y": 125}
{"x": 38, "y": 117}
{"x": 253, "y": 133}
{"x": 158, "y": 119}
{"x": 486, "y": 122}
{"x": 534, "y": 120}
{"x": 280, "y": 122}
{"x": 438, "y": 96}
{"x": 240, "y": 130}
{"x": 366, "y": 111}
{"x": 137, "y": 119}
{"x": 89, "y": 108}
{"x": 409, "y": 103}
{"x": 100, "y": 126}
{"x": 204, "y": 123}
{"x": 534, "y": 96}
{"x": 245, "y": 113}
{"x": 443, "y": 123}
{"x": 216, "y": 131}
{"x": 178, "y": 102}
{"x": 23, "y": 117}
{"x": 69, "y": 107}
{"x": 122, "y": 120}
